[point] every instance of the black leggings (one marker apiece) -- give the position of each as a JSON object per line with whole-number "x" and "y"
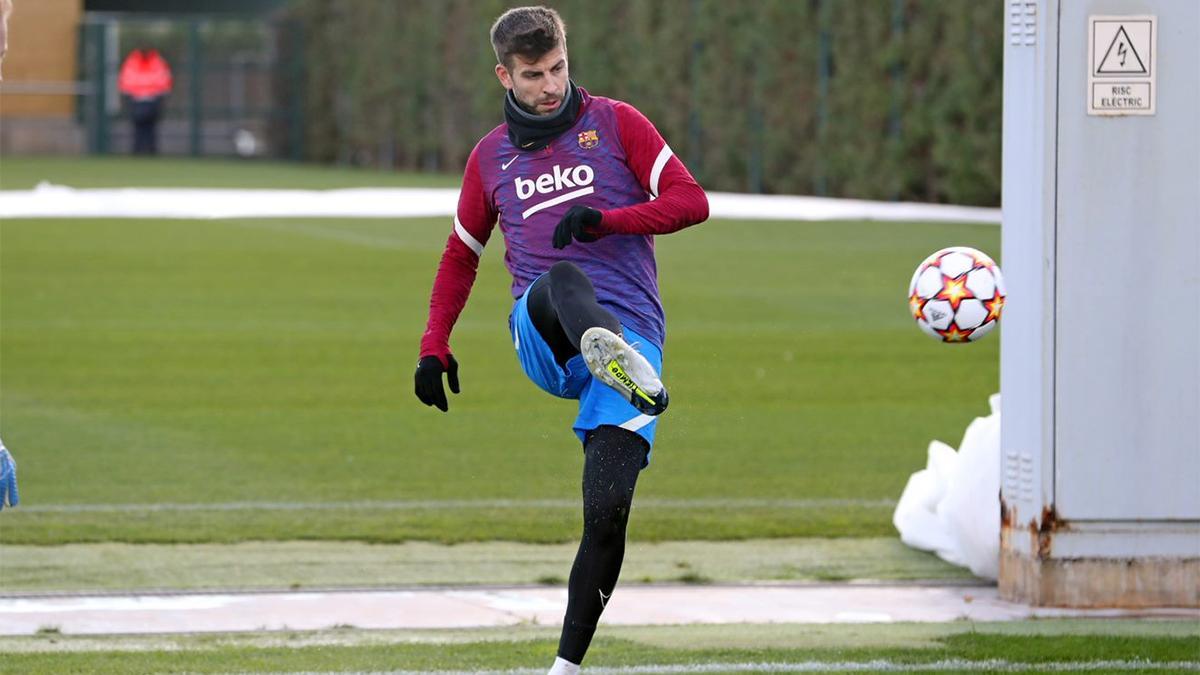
{"x": 613, "y": 459}
{"x": 562, "y": 305}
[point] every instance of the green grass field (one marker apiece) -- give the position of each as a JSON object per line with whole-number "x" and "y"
{"x": 295, "y": 565}
{"x": 212, "y": 377}
{"x": 22, "y": 173}
{"x": 225, "y": 404}
{"x": 1033, "y": 647}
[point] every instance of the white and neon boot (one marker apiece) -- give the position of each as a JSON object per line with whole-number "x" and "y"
{"x": 617, "y": 364}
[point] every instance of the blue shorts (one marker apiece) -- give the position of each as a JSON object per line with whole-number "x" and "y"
{"x": 599, "y": 404}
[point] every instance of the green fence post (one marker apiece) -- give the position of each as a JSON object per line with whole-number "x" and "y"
{"x": 298, "y": 97}
{"x": 695, "y": 160}
{"x": 895, "y": 117}
{"x": 755, "y": 49}
{"x": 100, "y": 88}
{"x": 196, "y": 88}
{"x": 87, "y": 72}
{"x": 824, "y": 68}
{"x": 81, "y": 70}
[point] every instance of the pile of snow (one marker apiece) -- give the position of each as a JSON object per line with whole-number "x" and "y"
{"x": 952, "y": 506}
{"x": 58, "y": 201}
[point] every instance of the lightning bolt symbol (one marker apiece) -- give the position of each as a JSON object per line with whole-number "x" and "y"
{"x": 1121, "y": 52}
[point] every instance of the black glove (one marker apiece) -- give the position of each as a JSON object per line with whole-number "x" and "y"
{"x": 429, "y": 380}
{"x": 575, "y": 224}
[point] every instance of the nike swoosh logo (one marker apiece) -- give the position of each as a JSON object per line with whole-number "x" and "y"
{"x": 504, "y": 166}
{"x": 603, "y": 599}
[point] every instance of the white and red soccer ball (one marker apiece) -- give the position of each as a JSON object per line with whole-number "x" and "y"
{"x": 957, "y": 294}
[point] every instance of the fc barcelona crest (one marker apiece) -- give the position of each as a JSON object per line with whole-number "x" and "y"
{"x": 589, "y": 139}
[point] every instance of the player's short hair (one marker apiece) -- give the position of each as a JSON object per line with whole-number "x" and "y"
{"x": 529, "y": 32}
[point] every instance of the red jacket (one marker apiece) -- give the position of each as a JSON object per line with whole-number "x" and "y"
{"x": 144, "y": 75}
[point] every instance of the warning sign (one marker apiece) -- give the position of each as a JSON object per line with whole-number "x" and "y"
{"x": 1121, "y": 64}
{"x": 1122, "y": 57}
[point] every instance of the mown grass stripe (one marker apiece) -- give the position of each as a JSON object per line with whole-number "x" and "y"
{"x": 458, "y": 504}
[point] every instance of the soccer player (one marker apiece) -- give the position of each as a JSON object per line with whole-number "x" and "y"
{"x": 5, "y": 10}
{"x": 8, "y": 467}
{"x": 8, "y": 476}
{"x": 580, "y": 185}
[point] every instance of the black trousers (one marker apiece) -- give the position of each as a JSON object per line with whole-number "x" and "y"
{"x": 145, "y": 114}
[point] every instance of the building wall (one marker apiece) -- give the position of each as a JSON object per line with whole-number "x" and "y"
{"x": 43, "y": 43}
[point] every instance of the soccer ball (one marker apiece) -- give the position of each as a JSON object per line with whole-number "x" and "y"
{"x": 957, "y": 294}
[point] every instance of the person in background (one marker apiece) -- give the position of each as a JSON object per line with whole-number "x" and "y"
{"x": 5, "y": 10}
{"x": 146, "y": 79}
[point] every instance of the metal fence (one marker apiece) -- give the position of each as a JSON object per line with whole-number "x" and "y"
{"x": 238, "y": 85}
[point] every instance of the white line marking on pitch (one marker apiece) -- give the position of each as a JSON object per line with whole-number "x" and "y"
{"x": 874, "y": 666}
{"x": 456, "y": 504}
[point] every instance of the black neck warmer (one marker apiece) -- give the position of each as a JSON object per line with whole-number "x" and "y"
{"x": 534, "y": 132}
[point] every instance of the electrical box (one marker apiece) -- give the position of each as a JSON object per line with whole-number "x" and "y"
{"x": 1100, "y": 347}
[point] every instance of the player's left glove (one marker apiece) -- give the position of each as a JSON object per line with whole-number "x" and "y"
{"x": 429, "y": 380}
{"x": 575, "y": 225}
{"x": 8, "y": 479}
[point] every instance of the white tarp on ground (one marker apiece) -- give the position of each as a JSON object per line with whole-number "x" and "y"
{"x": 952, "y": 506}
{"x": 57, "y": 201}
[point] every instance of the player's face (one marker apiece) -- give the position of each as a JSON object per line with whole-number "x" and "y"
{"x": 538, "y": 85}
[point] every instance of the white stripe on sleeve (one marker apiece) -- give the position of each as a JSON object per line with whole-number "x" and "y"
{"x": 659, "y": 163}
{"x": 471, "y": 242}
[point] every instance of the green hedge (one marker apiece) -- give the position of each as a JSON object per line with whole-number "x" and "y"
{"x": 877, "y": 99}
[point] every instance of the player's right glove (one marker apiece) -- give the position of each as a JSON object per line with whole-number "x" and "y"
{"x": 8, "y": 479}
{"x": 576, "y": 224}
{"x": 429, "y": 380}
